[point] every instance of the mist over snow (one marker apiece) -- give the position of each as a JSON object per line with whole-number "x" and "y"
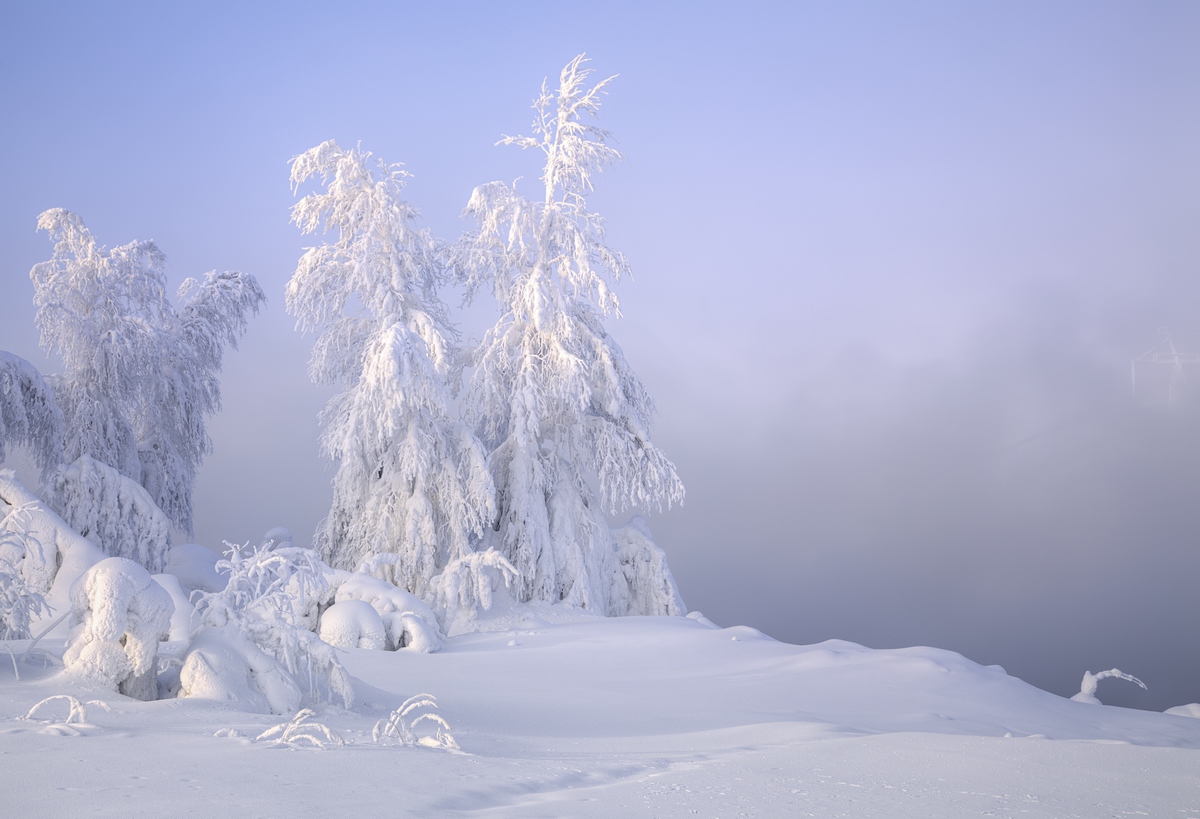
{"x": 890, "y": 265}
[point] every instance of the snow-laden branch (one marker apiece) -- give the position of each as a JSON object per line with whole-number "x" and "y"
{"x": 1087, "y": 688}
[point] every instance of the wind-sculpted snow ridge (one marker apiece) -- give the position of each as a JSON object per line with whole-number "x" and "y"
{"x": 412, "y": 479}
{"x": 29, "y": 415}
{"x": 112, "y": 510}
{"x": 551, "y": 395}
{"x": 123, "y": 614}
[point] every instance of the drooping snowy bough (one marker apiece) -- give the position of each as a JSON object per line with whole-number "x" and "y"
{"x": 552, "y": 395}
{"x": 412, "y": 480}
{"x": 122, "y": 615}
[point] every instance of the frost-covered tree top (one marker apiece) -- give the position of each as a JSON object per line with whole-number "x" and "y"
{"x": 552, "y": 395}
{"x": 411, "y": 479}
{"x": 139, "y": 377}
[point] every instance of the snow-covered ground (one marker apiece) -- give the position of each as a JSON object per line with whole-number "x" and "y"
{"x": 634, "y": 716}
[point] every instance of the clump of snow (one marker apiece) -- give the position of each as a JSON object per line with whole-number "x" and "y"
{"x": 112, "y": 510}
{"x": 467, "y": 585}
{"x": 123, "y": 614}
{"x": 353, "y": 624}
{"x": 644, "y": 584}
{"x": 1087, "y": 688}
{"x": 196, "y": 567}
{"x": 222, "y": 664}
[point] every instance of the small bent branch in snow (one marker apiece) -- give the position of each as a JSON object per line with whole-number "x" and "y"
{"x": 1087, "y": 688}
{"x": 78, "y": 712}
{"x": 299, "y": 731}
{"x": 399, "y": 727}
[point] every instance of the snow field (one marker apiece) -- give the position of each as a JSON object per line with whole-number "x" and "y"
{"x": 637, "y": 716}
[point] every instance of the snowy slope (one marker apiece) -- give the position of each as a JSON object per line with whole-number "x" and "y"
{"x": 642, "y": 716}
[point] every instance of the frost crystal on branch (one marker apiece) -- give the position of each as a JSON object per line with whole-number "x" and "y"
{"x": 552, "y": 395}
{"x": 411, "y": 480}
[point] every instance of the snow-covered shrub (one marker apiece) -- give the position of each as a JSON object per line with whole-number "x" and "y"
{"x": 28, "y": 412}
{"x": 1087, "y": 688}
{"x": 300, "y": 730}
{"x": 552, "y": 396}
{"x": 273, "y": 598}
{"x": 412, "y": 480}
{"x": 644, "y": 584}
{"x": 77, "y": 711}
{"x": 122, "y": 614}
{"x": 399, "y": 726}
{"x": 353, "y": 624}
{"x": 112, "y": 510}
{"x": 468, "y": 584}
{"x": 407, "y": 620}
{"x": 181, "y": 620}
{"x": 48, "y": 553}
{"x": 19, "y": 604}
{"x": 224, "y": 665}
{"x": 139, "y": 376}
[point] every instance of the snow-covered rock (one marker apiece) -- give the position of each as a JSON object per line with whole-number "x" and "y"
{"x": 122, "y": 615}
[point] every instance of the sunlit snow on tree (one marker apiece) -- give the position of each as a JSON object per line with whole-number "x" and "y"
{"x": 552, "y": 395}
{"x": 412, "y": 480}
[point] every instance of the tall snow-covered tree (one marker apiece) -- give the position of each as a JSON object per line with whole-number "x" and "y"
{"x": 412, "y": 480}
{"x": 138, "y": 377}
{"x": 552, "y": 395}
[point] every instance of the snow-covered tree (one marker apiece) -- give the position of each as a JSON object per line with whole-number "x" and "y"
{"x": 29, "y": 415}
{"x": 412, "y": 480}
{"x": 552, "y": 395}
{"x": 138, "y": 377}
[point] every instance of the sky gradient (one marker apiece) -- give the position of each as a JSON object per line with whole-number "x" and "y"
{"x": 891, "y": 263}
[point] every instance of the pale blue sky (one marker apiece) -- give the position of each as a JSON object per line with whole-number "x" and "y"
{"x": 875, "y": 247}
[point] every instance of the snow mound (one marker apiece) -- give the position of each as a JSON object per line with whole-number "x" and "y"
{"x": 181, "y": 619}
{"x": 353, "y": 624}
{"x": 1189, "y": 710}
{"x": 407, "y": 620}
{"x": 123, "y": 614}
{"x": 223, "y": 665}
